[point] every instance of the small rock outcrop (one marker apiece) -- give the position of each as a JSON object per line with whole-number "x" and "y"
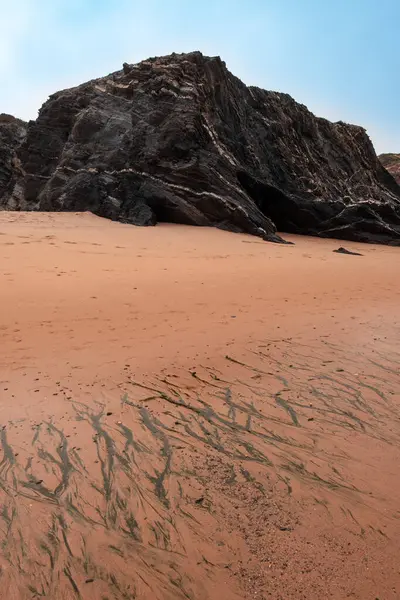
{"x": 180, "y": 139}
{"x": 12, "y": 134}
{"x": 391, "y": 162}
{"x": 342, "y": 250}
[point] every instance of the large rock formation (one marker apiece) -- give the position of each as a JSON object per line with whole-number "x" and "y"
{"x": 12, "y": 134}
{"x": 180, "y": 139}
{"x": 391, "y": 162}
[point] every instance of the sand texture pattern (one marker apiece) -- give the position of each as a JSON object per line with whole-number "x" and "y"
{"x": 187, "y": 413}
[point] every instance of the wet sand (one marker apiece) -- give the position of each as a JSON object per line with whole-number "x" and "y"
{"x": 189, "y": 413}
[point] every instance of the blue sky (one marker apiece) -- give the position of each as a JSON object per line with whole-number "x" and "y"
{"x": 339, "y": 57}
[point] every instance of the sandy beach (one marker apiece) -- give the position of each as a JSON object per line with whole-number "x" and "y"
{"x": 191, "y": 413}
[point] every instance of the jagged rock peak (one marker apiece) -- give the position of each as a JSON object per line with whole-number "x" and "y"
{"x": 178, "y": 138}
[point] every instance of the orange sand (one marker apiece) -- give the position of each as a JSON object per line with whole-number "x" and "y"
{"x": 189, "y": 413}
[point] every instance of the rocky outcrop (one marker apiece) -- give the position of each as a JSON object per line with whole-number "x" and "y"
{"x": 180, "y": 139}
{"x": 12, "y": 134}
{"x": 391, "y": 162}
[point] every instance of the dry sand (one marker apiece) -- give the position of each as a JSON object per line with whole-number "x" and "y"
{"x": 189, "y": 413}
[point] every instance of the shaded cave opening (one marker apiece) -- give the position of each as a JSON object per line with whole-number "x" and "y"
{"x": 275, "y": 204}
{"x": 271, "y": 201}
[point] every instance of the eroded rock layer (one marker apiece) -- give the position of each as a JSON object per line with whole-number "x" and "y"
{"x": 391, "y": 162}
{"x": 12, "y": 134}
{"x": 180, "y": 139}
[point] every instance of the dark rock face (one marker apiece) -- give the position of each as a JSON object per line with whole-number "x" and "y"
{"x": 180, "y": 139}
{"x": 12, "y": 134}
{"x": 342, "y": 250}
{"x": 391, "y": 162}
